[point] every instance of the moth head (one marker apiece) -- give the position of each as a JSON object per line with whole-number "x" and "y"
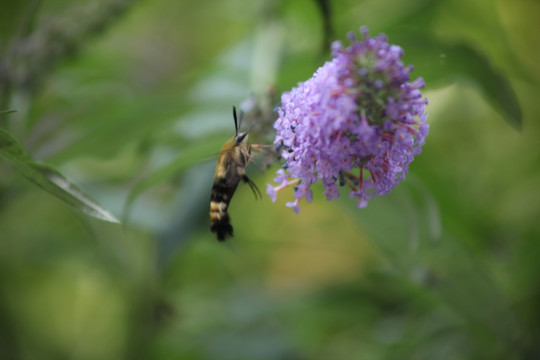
{"x": 240, "y": 137}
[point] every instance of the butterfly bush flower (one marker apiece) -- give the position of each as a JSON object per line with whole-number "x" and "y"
{"x": 358, "y": 122}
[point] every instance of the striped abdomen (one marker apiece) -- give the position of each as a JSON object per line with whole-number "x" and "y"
{"x": 219, "y": 203}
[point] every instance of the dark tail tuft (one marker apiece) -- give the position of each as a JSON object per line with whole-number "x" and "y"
{"x": 223, "y": 229}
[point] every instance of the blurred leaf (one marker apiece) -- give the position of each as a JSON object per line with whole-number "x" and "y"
{"x": 50, "y": 179}
{"x": 193, "y": 155}
{"x": 441, "y": 63}
{"x": 326, "y": 13}
{"x": 58, "y": 37}
{"x": 14, "y": 16}
{"x": 442, "y": 264}
{"x": 4, "y": 112}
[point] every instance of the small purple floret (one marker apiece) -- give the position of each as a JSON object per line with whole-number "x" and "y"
{"x": 271, "y": 191}
{"x": 294, "y": 205}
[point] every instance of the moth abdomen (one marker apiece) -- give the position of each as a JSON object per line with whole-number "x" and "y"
{"x": 219, "y": 203}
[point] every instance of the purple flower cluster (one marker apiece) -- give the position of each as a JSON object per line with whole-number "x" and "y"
{"x": 358, "y": 122}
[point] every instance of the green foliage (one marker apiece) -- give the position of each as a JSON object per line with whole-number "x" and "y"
{"x": 132, "y": 101}
{"x": 441, "y": 63}
{"x": 50, "y": 179}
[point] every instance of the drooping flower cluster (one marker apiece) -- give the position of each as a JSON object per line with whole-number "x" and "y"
{"x": 358, "y": 122}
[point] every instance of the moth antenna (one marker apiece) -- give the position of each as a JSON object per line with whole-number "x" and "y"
{"x": 240, "y": 118}
{"x": 235, "y": 119}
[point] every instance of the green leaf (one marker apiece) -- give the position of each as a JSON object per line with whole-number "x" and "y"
{"x": 401, "y": 227}
{"x": 4, "y": 112}
{"x": 326, "y": 14}
{"x": 441, "y": 63}
{"x": 50, "y": 179}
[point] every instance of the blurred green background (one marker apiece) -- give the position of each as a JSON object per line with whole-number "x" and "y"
{"x": 134, "y": 97}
